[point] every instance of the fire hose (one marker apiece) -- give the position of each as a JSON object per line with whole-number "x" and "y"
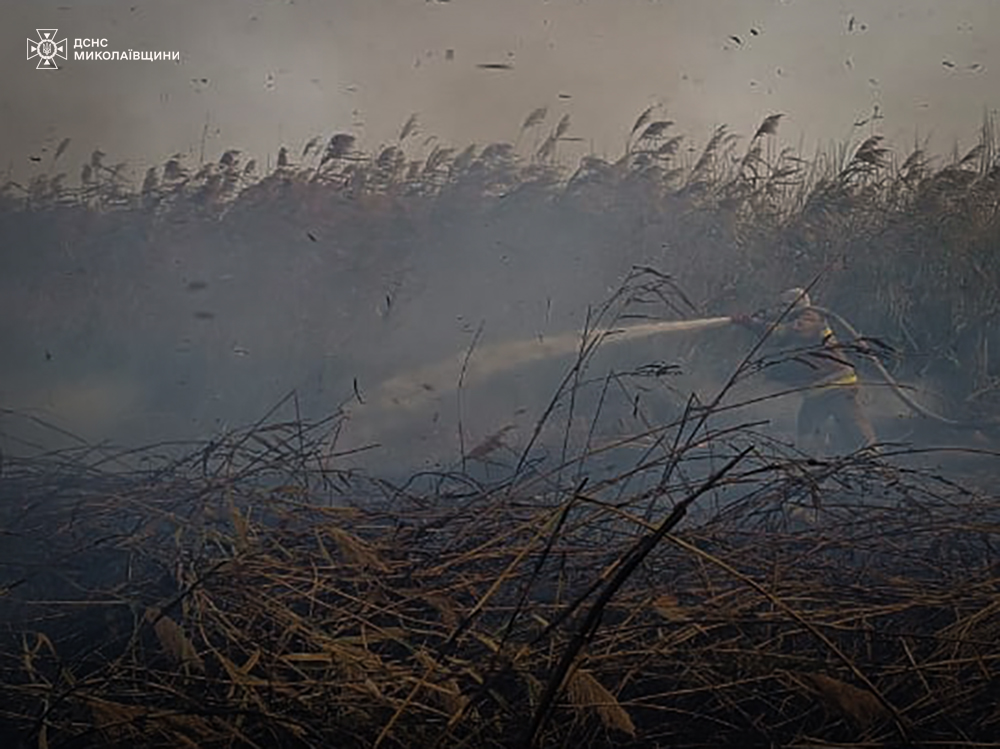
{"x": 897, "y": 389}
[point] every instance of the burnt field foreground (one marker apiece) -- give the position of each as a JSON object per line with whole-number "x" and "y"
{"x": 720, "y": 591}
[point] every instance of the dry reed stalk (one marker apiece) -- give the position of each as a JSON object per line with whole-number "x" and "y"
{"x": 173, "y": 640}
{"x": 585, "y": 691}
{"x": 862, "y": 708}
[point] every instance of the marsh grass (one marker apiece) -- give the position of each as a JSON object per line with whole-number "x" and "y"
{"x": 718, "y": 589}
{"x": 905, "y": 245}
{"x": 240, "y": 593}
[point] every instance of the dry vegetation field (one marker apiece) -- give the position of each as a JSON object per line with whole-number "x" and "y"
{"x": 714, "y": 588}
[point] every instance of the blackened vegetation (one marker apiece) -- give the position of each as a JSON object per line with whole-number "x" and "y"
{"x": 239, "y": 593}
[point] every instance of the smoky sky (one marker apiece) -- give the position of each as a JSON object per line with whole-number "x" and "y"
{"x": 256, "y": 74}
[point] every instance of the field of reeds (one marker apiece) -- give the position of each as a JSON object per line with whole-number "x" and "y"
{"x": 685, "y": 579}
{"x": 241, "y": 594}
{"x": 345, "y": 245}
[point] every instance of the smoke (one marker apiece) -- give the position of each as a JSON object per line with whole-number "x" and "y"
{"x": 258, "y": 74}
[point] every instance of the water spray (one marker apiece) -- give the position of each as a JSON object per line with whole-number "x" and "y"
{"x": 409, "y": 391}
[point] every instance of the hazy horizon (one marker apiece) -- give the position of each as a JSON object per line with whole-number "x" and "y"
{"x": 258, "y": 74}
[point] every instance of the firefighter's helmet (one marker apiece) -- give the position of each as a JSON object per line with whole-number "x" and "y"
{"x": 796, "y": 298}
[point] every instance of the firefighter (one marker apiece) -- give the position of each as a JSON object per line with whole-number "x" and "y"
{"x": 813, "y": 361}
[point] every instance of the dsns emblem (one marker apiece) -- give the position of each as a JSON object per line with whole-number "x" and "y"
{"x": 46, "y": 49}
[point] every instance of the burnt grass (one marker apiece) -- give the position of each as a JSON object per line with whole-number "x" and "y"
{"x": 715, "y": 588}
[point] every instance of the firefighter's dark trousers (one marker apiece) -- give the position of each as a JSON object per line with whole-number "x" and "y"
{"x": 841, "y": 403}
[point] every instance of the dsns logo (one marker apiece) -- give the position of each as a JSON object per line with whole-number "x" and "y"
{"x": 46, "y": 49}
